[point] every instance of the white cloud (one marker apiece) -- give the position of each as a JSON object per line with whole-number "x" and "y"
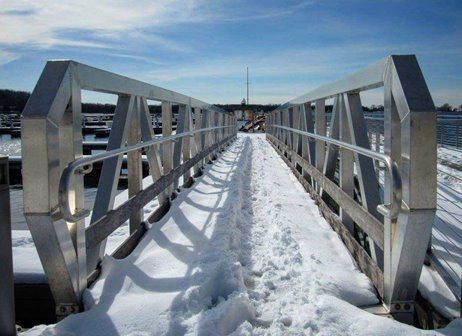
{"x": 84, "y": 23}
{"x": 6, "y": 56}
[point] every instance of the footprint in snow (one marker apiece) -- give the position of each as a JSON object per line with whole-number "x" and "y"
{"x": 316, "y": 260}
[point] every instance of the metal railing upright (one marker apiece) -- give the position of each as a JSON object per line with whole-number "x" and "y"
{"x": 444, "y": 250}
{"x": 387, "y": 232}
{"x": 53, "y": 167}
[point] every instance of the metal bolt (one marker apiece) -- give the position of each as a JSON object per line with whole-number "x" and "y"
{"x": 407, "y": 306}
{"x": 397, "y": 306}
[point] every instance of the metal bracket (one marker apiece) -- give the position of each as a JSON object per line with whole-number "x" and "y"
{"x": 66, "y": 309}
{"x": 85, "y": 169}
{"x": 402, "y": 311}
{"x": 401, "y": 307}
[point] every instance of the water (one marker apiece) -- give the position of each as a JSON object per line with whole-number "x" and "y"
{"x": 10, "y": 146}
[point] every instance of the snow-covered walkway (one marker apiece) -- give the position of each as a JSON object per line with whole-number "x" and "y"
{"x": 243, "y": 252}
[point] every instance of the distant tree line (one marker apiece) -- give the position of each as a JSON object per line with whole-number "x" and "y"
{"x": 14, "y": 101}
{"x": 448, "y": 108}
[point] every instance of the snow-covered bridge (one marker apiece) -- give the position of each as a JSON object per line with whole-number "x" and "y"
{"x": 223, "y": 235}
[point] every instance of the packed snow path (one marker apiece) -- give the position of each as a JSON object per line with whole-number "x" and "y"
{"x": 243, "y": 252}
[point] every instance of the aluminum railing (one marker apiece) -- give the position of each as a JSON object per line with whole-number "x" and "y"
{"x": 390, "y": 210}
{"x": 84, "y": 166}
{"x": 53, "y": 167}
{"x": 344, "y": 183}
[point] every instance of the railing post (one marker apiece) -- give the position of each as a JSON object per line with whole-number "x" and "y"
{"x": 209, "y": 135}
{"x": 75, "y": 141}
{"x": 330, "y": 160}
{"x": 204, "y": 135}
{"x": 178, "y": 146}
{"x": 47, "y": 132}
{"x": 320, "y": 124}
{"x": 408, "y": 243}
{"x": 216, "y": 132}
{"x": 278, "y": 121}
{"x": 197, "y": 138}
{"x": 289, "y": 123}
{"x": 7, "y": 317}
{"x": 167, "y": 147}
{"x": 309, "y": 148}
{"x": 187, "y": 145}
{"x": 147, "y": 134}
{"x": 392, "y": 136}
{"x": 296, "y": 138}
{"x": 221, "y": 130}
{"x": 134, "y": 165}
{"x": 227, "y": 122}
{"x": 346, "y": 163}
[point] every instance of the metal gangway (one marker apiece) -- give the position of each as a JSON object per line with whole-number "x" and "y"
{"x": 385, "y": 224}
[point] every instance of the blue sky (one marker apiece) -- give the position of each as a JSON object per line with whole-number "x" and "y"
{"x": 202, "y": 48}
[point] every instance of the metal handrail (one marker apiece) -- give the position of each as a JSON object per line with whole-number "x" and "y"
{"x": 388, "y": 210}
{"x": 439, "y": 120}
{"x": 83, "y": 166}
